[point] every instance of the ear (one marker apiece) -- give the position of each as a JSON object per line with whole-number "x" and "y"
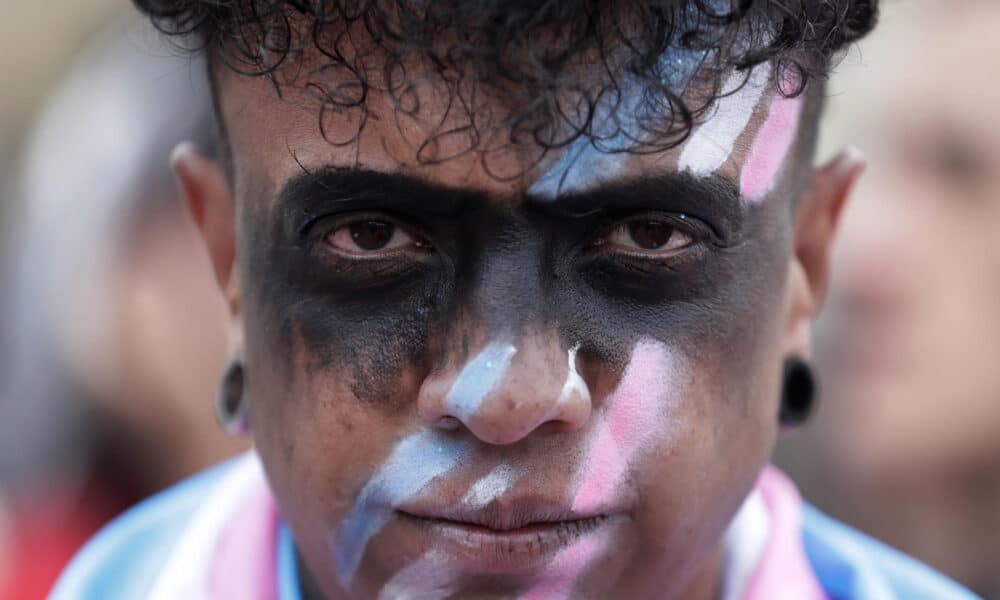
{"x": 209, "y": 201}
{"x": 816, "y": 222}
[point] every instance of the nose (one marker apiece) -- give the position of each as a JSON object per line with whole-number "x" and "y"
{"x": 508, "y": 390}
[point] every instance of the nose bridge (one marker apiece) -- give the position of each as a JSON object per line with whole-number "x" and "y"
{"x": 512, "y": 387}
{"x": 478, "y": 379}
{"x": 509, "y": 284}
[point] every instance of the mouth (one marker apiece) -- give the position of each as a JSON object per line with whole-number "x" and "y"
{"x": 503, "y": 537}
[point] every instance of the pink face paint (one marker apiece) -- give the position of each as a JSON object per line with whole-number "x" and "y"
{"x": 635, "y": 413}
{"x": 760, "y": 171}
{"x": 566, "y": 568}
{"x": 427, "y": 578}
{"x": 712, "y": 143}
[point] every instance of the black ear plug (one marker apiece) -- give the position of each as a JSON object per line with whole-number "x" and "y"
{"x": 798, "y": 392}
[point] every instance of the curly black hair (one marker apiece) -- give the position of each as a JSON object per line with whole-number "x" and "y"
{"x": 559, "y": 66}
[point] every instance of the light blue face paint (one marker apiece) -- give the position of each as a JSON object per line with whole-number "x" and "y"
{"x": 478, "y": 378}
{"x": 415, "y": 462}
{"x": 593, "y": 158}
{"x": 616, "y": 128}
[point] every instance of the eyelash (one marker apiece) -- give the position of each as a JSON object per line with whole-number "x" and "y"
{"x": 700, "y": 232}
{"x": 316, "y": 230}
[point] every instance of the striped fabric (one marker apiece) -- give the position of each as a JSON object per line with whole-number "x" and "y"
{"x": 219, "y": 536}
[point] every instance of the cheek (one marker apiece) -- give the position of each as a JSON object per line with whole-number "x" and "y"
{"x": 640, "y": 413}
{"x": 695, "y": 474}
{"x": 320, "y": 446}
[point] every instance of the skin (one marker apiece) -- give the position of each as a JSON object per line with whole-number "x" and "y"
{"x": 913, "y": 331}
{"x": 351, "y": 364}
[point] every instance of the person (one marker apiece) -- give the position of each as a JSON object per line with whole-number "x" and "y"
{"x": 114, "y": 328}
{"x": 514, "y": 292}
{"x": 909, "y": 447}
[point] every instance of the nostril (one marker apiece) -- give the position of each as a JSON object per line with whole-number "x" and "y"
{"x": 504, "y": 393}
{"x": 448, "y": 423}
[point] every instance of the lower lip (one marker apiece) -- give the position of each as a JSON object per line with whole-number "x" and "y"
{"x": 480, "y": 550}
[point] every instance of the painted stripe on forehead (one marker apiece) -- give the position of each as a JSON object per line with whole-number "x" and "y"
{"x": 770, "y": 148}
{"x": 712, "y": 142}
{"x": 601, "y": 156}
{"x": 415, "y": 462}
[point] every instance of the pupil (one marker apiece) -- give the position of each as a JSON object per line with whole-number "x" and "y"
{"x": 372, "y": 235}
{"x": 650, "y": 235}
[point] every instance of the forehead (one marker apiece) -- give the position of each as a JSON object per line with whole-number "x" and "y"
{"x": 275, "y": 135}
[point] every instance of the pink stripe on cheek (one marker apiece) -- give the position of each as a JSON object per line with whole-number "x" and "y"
{"x": 602, "y": 468}
{"x": 770, "y": 148}
{"x": 633, "y": 416}
{"x": 565, "y": 569}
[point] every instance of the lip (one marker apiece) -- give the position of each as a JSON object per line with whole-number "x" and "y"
{"x": 505, "y": 536}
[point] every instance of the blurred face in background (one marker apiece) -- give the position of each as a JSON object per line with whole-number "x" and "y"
{"x": 151, "y": 364}
{"x": 911, "y": 359}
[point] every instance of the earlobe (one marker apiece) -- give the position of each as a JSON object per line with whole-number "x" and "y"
{"x": 209, "y": 200}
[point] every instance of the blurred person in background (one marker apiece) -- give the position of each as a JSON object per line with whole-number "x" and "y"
{"x": 908, "y": 446}
{"x": 114, "y": 333}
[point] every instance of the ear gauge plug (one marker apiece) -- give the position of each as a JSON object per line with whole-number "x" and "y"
{"x": 798, "y": 392}
{"x": 230, "y": 403}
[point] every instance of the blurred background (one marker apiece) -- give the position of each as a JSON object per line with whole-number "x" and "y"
{"x": 906, "y": 441}
{"x": 112, "y": 329}
{"x": 111, "y": 332}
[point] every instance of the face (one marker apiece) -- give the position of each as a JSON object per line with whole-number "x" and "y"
{"x": 914, "y": 329}
{"x": 161, "y": 340}
{"x": 464, "y": 386}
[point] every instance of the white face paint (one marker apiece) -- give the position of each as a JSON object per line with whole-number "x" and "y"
{"x": 601, "y": 156}
{"x": 712, "y": 142}
{"x": 492, "y": 486}
{"x": 592, "y": 160}
{"x": 574, "y": 383}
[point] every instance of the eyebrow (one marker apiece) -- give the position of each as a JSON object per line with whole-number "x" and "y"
{"x": 314, "y": 194}
{"x": 711, "y": 197}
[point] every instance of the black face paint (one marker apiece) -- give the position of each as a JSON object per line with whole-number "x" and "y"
{"x": 500, "y": 269}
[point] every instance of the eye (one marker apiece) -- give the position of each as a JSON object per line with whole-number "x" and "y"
{"x": 371, "y": 237}
{"x": 649, "y": 236}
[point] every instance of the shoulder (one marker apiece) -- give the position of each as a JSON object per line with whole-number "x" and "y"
{"x": 852, "y": 566}
{"x": 125, "y": 557}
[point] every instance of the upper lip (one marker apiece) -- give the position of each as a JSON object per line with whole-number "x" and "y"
{"x": 501, "y": 515}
